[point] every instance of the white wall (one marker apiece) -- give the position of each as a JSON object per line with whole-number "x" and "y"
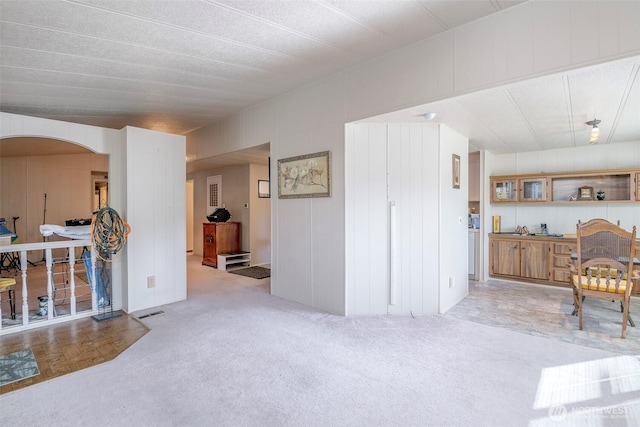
{"x": 156, "y": 211}
{"x": 409, "y": 166}
{"x": 146, "y": 187}
{"x": 189, "y": 190}
{"x": 525, "y": 41}
{"x": 366, "y": 219}
{"x": 453, "y": 221}
{"x": 259, "y": 217}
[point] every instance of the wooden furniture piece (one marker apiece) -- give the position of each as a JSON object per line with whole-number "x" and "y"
{"x": 524, "y": 259}
{"x": 616, "y": 185}
{"x": 8, "y": 285}
{"x": 508, "y": 266}
{"x": 219, "y": 238}
{"x": 604, "y": 267}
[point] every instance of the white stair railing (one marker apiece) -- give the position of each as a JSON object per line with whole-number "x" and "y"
{"x": 23, "y": 249}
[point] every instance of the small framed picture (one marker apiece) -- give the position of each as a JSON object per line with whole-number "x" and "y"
{"x": 264, "y": 192}
{"x": 585, "y": 193}
{"x": 456, "y": 170}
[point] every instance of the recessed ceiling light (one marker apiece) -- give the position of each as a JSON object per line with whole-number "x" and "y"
{"x": 429, "y": 116}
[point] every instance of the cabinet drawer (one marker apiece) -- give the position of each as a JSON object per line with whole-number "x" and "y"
{"x": 561, "y": 276}
{"x": 561, "y": 262}
{"x": 563, "y": 248}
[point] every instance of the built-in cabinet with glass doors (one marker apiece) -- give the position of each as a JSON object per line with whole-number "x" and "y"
{"x": 617, "y": 186}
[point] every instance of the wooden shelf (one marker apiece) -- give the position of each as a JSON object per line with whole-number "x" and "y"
{"x": 615, "y": 186}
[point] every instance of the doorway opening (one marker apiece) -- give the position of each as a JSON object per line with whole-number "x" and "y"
{"x": 100, "y": 191}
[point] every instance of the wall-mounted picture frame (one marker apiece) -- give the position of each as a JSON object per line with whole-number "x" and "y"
{"x": 303, "y": 176}
{"x": 455, "y": 167}
{"x": 585, "y": 193}
{"x": 264, "y": 191}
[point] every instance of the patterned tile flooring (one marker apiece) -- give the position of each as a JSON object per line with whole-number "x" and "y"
{"x": 546, "y": 311}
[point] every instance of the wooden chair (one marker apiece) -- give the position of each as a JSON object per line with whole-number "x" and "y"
{"x": 8, "y": 284}
{"x": 604, "y": 267}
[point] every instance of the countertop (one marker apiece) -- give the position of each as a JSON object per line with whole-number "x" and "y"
{"x": 556, "y": 237}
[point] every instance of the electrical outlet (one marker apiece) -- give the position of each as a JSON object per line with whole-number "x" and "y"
{"x": 151, "y": 282}
{"x": 451, "y": 282}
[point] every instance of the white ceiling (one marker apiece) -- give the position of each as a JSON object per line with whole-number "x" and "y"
{"x": 175, "y": 66}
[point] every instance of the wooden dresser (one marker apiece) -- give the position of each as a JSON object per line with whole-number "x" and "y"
{"x": 219, "y": 238}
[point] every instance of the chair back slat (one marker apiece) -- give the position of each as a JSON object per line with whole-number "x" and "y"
{"x": 605, "y": 255}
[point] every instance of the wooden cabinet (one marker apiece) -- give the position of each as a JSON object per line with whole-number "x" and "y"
{"x": 513, "y": 189}
{"x": 219, "y": 238}
{"x": 605, "y": 186}
{"x": 544, "y": 260}
{"x": 533, "y": 190}
{"x": 534, "y": 260}
{"x": 505, "y": 257}
{"x": 504, "y": 190}
{"x": 520, "y": 258}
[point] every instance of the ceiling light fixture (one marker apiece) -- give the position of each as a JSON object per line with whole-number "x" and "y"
{"x": 429, "y": 116}
{"x": 595, "y": 131}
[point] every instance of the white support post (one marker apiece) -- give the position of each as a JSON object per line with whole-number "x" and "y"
{"x": 25, "y": 302}
{"x": 49, "y": 260}
{"x": 72, "y": 280}
{"x": 393, "y": 255}
{"x": 94, "y": 295}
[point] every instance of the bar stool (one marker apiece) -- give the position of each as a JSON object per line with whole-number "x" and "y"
{"x": 7, "y": 284}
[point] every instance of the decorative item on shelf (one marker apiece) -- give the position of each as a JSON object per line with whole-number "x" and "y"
{"x": 585, "y": 193}
{"x": 600, "y": 195}
{"x": 496, "y": 223}
{"x": 573, "y": 197}
{"x": 522, "y": 230}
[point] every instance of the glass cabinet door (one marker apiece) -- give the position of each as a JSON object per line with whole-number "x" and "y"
{"x": 504, "y": 190}
{"x": 638, "y": 186}
{"x": 533, "y": 190}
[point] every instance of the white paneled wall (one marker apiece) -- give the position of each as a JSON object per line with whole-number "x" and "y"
{"x": 522, "y": 42}
{"x": 156, "y": 211}
{"x": 409, "y": 167}
{"x": 367, "y": 244}
{"x": 453, "y": 221}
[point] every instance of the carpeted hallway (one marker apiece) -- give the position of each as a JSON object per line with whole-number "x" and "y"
{"x": 232, "y": 355}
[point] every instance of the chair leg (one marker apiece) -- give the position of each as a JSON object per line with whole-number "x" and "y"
{"x": 580, "y": 302}
{"x": 12, "y": 303}
{"x": 625, "y": 317}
